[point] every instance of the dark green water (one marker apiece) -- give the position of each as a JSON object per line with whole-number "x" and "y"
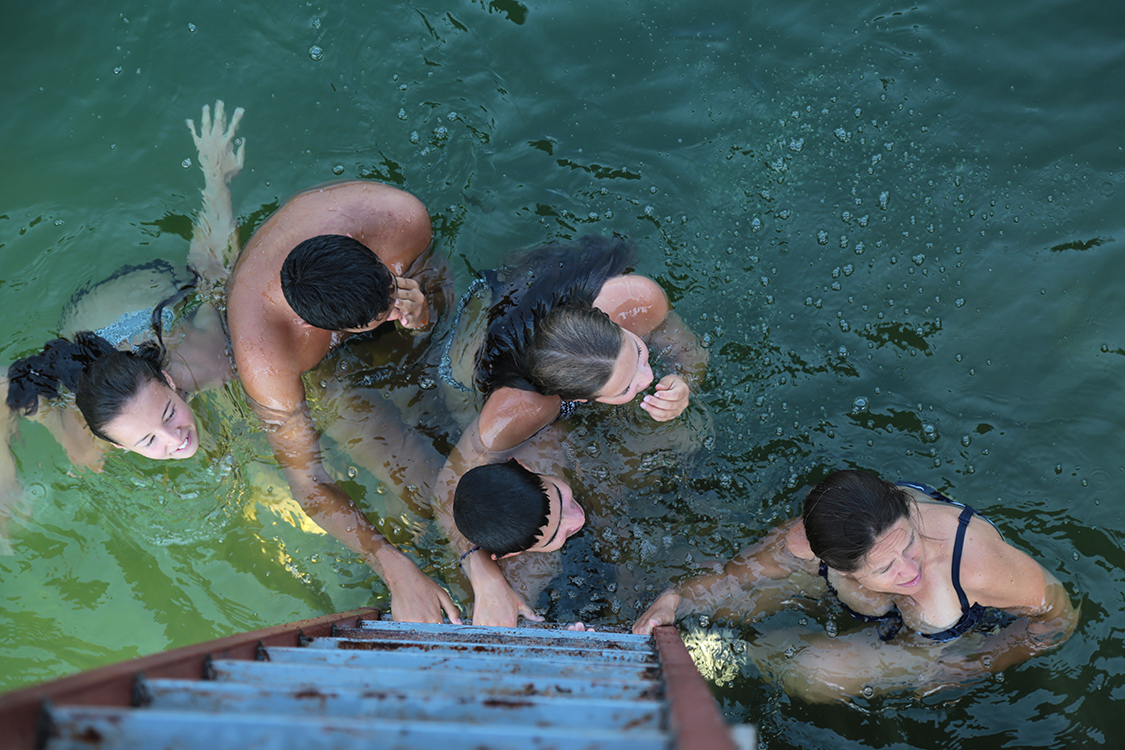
{"x": 898, "y": 229}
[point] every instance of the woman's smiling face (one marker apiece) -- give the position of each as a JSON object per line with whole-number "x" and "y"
{"x": 156, "y": 423}
{"x": 631, "y": 374}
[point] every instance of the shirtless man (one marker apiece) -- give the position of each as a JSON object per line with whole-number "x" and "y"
{"x": 332, "y": 232}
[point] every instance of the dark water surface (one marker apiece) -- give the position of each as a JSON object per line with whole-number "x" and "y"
{"x": 897, "y": 227}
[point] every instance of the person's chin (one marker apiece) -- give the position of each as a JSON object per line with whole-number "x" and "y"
{"x": 189, "y": 449}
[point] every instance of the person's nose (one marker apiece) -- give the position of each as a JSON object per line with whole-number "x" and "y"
{"x": 577, "y": 519}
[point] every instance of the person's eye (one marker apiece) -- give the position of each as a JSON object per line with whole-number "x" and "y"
{"x": 171, "y": 415}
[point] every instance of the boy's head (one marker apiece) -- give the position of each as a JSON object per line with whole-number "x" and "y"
{"x": 337, "y": 283}
{"x": 507, "y": 509}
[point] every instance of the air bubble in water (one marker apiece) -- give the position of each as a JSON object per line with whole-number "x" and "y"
{"x": 316, "y": 53}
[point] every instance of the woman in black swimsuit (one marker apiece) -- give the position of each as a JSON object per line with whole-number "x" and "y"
{"x": 566, "y": 324}
{"x": 902, "y": 556}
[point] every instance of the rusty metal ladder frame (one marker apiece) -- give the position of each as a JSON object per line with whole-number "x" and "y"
{"x": 693, "y": 715}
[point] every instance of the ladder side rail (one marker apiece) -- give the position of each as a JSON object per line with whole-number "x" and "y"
{"x": 113, "y": 684}
{"x": 693, "y": 713}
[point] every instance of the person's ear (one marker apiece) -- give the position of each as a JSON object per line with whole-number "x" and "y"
{"x": 168, "y": 378}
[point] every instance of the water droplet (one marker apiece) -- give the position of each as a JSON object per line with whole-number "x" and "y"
{"x": 191, "y": 27}
{"x": 338, "y": 169}
{"x": 117, "y": 70}
{"x": 186, "y": 163}
{"x": 352, "y": 472}
{"x": 316, "y": 53}
{"x": 822, "y": 237}
{"x": 842, "y": 135}
{"x": 859, "y": 406}
{"x": 427, "y": 384}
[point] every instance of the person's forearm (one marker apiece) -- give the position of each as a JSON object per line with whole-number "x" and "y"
{"x": 674, "y": 342}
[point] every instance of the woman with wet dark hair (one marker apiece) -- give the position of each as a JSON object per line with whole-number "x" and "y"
{"x": 947, "y": 600}
{"x": 560, "y": 326}
{"x": 122, "y": 383}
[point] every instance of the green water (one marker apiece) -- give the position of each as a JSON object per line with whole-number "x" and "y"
{"x": 897, "y": 227}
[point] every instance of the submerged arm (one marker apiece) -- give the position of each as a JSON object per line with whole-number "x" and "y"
{"x": 296, "y": 443}
{"x": 214, "y": 241}
{"x": 199, "y": 359}
{"x": 11, "y": 492}
{"x": 768, "y": 560}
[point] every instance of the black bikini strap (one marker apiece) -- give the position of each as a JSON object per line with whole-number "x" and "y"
{"x": 958, "y": 544}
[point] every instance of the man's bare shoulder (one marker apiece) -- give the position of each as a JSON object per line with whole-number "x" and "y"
{"x": 392, "y": 223}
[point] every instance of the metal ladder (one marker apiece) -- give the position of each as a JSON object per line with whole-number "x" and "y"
{"x": 352, "y": 680}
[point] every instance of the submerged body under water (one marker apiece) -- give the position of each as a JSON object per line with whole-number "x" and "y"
{"x": 894, "y": 229}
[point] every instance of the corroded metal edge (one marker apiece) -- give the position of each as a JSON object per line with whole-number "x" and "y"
{"x": 113, "y": 685}
{"x": 693, "y": 713}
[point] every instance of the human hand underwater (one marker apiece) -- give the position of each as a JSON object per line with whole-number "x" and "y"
{"x": 669, "y": 399}
{"x": 415, "y": 597}
{"x": 660, "y": 612}
{"x": 496, "y": 604}
{"x": 410, "y": 308}
{"x": 215, "y": 142}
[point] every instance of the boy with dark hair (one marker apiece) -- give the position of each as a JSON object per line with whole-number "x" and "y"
{"x": 507, "y": 509}
{"x": 336, "y": 283}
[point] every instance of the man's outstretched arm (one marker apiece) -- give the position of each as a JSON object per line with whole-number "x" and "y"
{"x": 296, "y": 443}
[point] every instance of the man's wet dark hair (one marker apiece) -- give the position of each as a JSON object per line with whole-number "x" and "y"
{"x": 336, "y": 283}
{"x": 102, "y": 378}
{"x": 846, "y": 513}
{"x": 502, "y": 508}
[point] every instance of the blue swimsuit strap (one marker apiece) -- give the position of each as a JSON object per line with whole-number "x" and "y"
{"x": 958, "y": 548}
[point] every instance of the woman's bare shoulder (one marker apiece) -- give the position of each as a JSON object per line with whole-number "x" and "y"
{"x": 635, "y": 302}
